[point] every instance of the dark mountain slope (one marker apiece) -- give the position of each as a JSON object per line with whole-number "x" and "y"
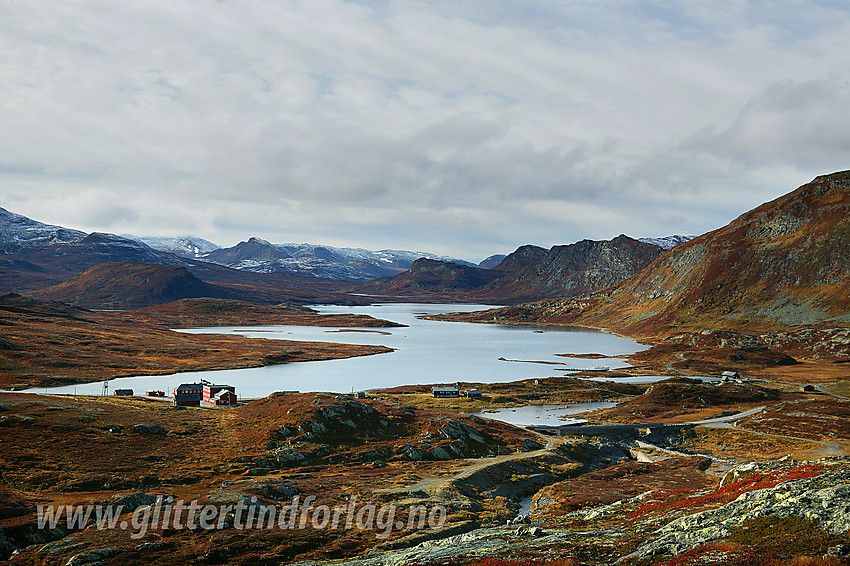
{"x": 428, "y": 278}
{"x": 254, "y": 249}
{"x": 529, "y": 273}
{"x": 491, "y": 262}
{"x": 524, "y": 256}
{"x": 567, "y": 271}
{"x": 128, "y": 285}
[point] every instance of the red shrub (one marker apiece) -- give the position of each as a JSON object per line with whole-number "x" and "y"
{"x": 732, "y": 490}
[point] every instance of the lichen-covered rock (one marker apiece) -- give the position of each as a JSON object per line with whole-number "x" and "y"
{"x": 825, "y": 498}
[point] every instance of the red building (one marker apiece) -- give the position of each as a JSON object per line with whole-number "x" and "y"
{"x": 188, "y": 394}
{"x": 219, "y": 395}
{"x": 206, "y": 394}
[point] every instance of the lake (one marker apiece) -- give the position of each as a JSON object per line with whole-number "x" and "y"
{"x": 426, "y": 352}
{"x": 553, "y": 415}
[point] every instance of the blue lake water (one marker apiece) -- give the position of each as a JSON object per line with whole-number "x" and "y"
{"x": 426, "y": 352}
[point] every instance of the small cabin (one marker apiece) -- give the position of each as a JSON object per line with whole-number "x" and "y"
{"x": 445, "y": 392}
{"x": 123, "y": 392}
{"x": 155, "y": 393}
{"x": 224, "y": 398}
{"x": 219, "y": 395}
{"x": 730, "y": 376}
{"x": 473, "y": 393}
{"x": 808, "y": 388}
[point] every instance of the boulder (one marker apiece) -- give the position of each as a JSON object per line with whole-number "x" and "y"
{"x": 440, "y": 453}
{"x": 148, "y": 546}
{"x": 133, "y": 501}
{"x": 91, "y": 557}
{"x": 148, "y": 429}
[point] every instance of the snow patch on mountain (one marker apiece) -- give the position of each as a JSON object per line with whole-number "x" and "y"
{"x": 18, "y": 232}
{"x": 328, "y": 262}
{"x": 190, "y": 247}
{"x": 667, "y": 242}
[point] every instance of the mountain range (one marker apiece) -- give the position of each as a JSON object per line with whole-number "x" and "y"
{"x": 20, "y": 235}
{"x": 529, "y": 273}
{"x": 327, "y": 262}
{"x": 59, "y": 264}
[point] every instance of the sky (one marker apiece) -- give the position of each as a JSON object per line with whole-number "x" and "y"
{"x": 460, "y": 127}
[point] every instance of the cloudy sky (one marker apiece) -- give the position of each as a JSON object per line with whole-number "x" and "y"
{"x": 465, "y": 127}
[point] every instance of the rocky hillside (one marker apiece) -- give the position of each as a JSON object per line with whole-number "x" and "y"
{"x": 303, "y": 429}
{"x": 524, "y": 256}
{"x": 574, "y": 269}
{"x": 529, "y": 273}
{"x": 127, "y": 285}
{"x": 783, "y": 264}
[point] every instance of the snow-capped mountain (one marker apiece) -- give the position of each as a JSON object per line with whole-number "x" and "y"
{"x": 19, "y": 232}
{"x": 185, "y": 246}
{"x": 667, "y": 242}
{"x": 327, "y": 262}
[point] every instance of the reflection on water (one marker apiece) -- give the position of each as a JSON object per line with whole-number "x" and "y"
{"x": 543, "y": 414}
{"x": 426, "y": 352}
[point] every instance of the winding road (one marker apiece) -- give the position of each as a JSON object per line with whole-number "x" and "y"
{"x": 435, "y": 486}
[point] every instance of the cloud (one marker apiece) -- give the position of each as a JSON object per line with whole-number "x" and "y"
{"x": 805, "y": 124}
{"x": 468, "y": 127}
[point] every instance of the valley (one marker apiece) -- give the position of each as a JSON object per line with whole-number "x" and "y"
{"x": 678, "y": 467}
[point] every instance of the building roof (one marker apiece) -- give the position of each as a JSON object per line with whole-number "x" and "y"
{"x": 450, "y": 388}
{"x": 189, "y": 387}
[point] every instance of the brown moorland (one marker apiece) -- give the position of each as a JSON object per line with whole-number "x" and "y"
{"x": 683, "y": 399}
{"x": 66, "y": 450}
{"x": 48, "y": 343}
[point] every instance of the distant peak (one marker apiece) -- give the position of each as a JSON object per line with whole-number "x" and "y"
{"x": 256, "y": 240}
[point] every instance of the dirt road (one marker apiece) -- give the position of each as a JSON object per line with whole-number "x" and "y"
{"x": 435, "y": 486}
